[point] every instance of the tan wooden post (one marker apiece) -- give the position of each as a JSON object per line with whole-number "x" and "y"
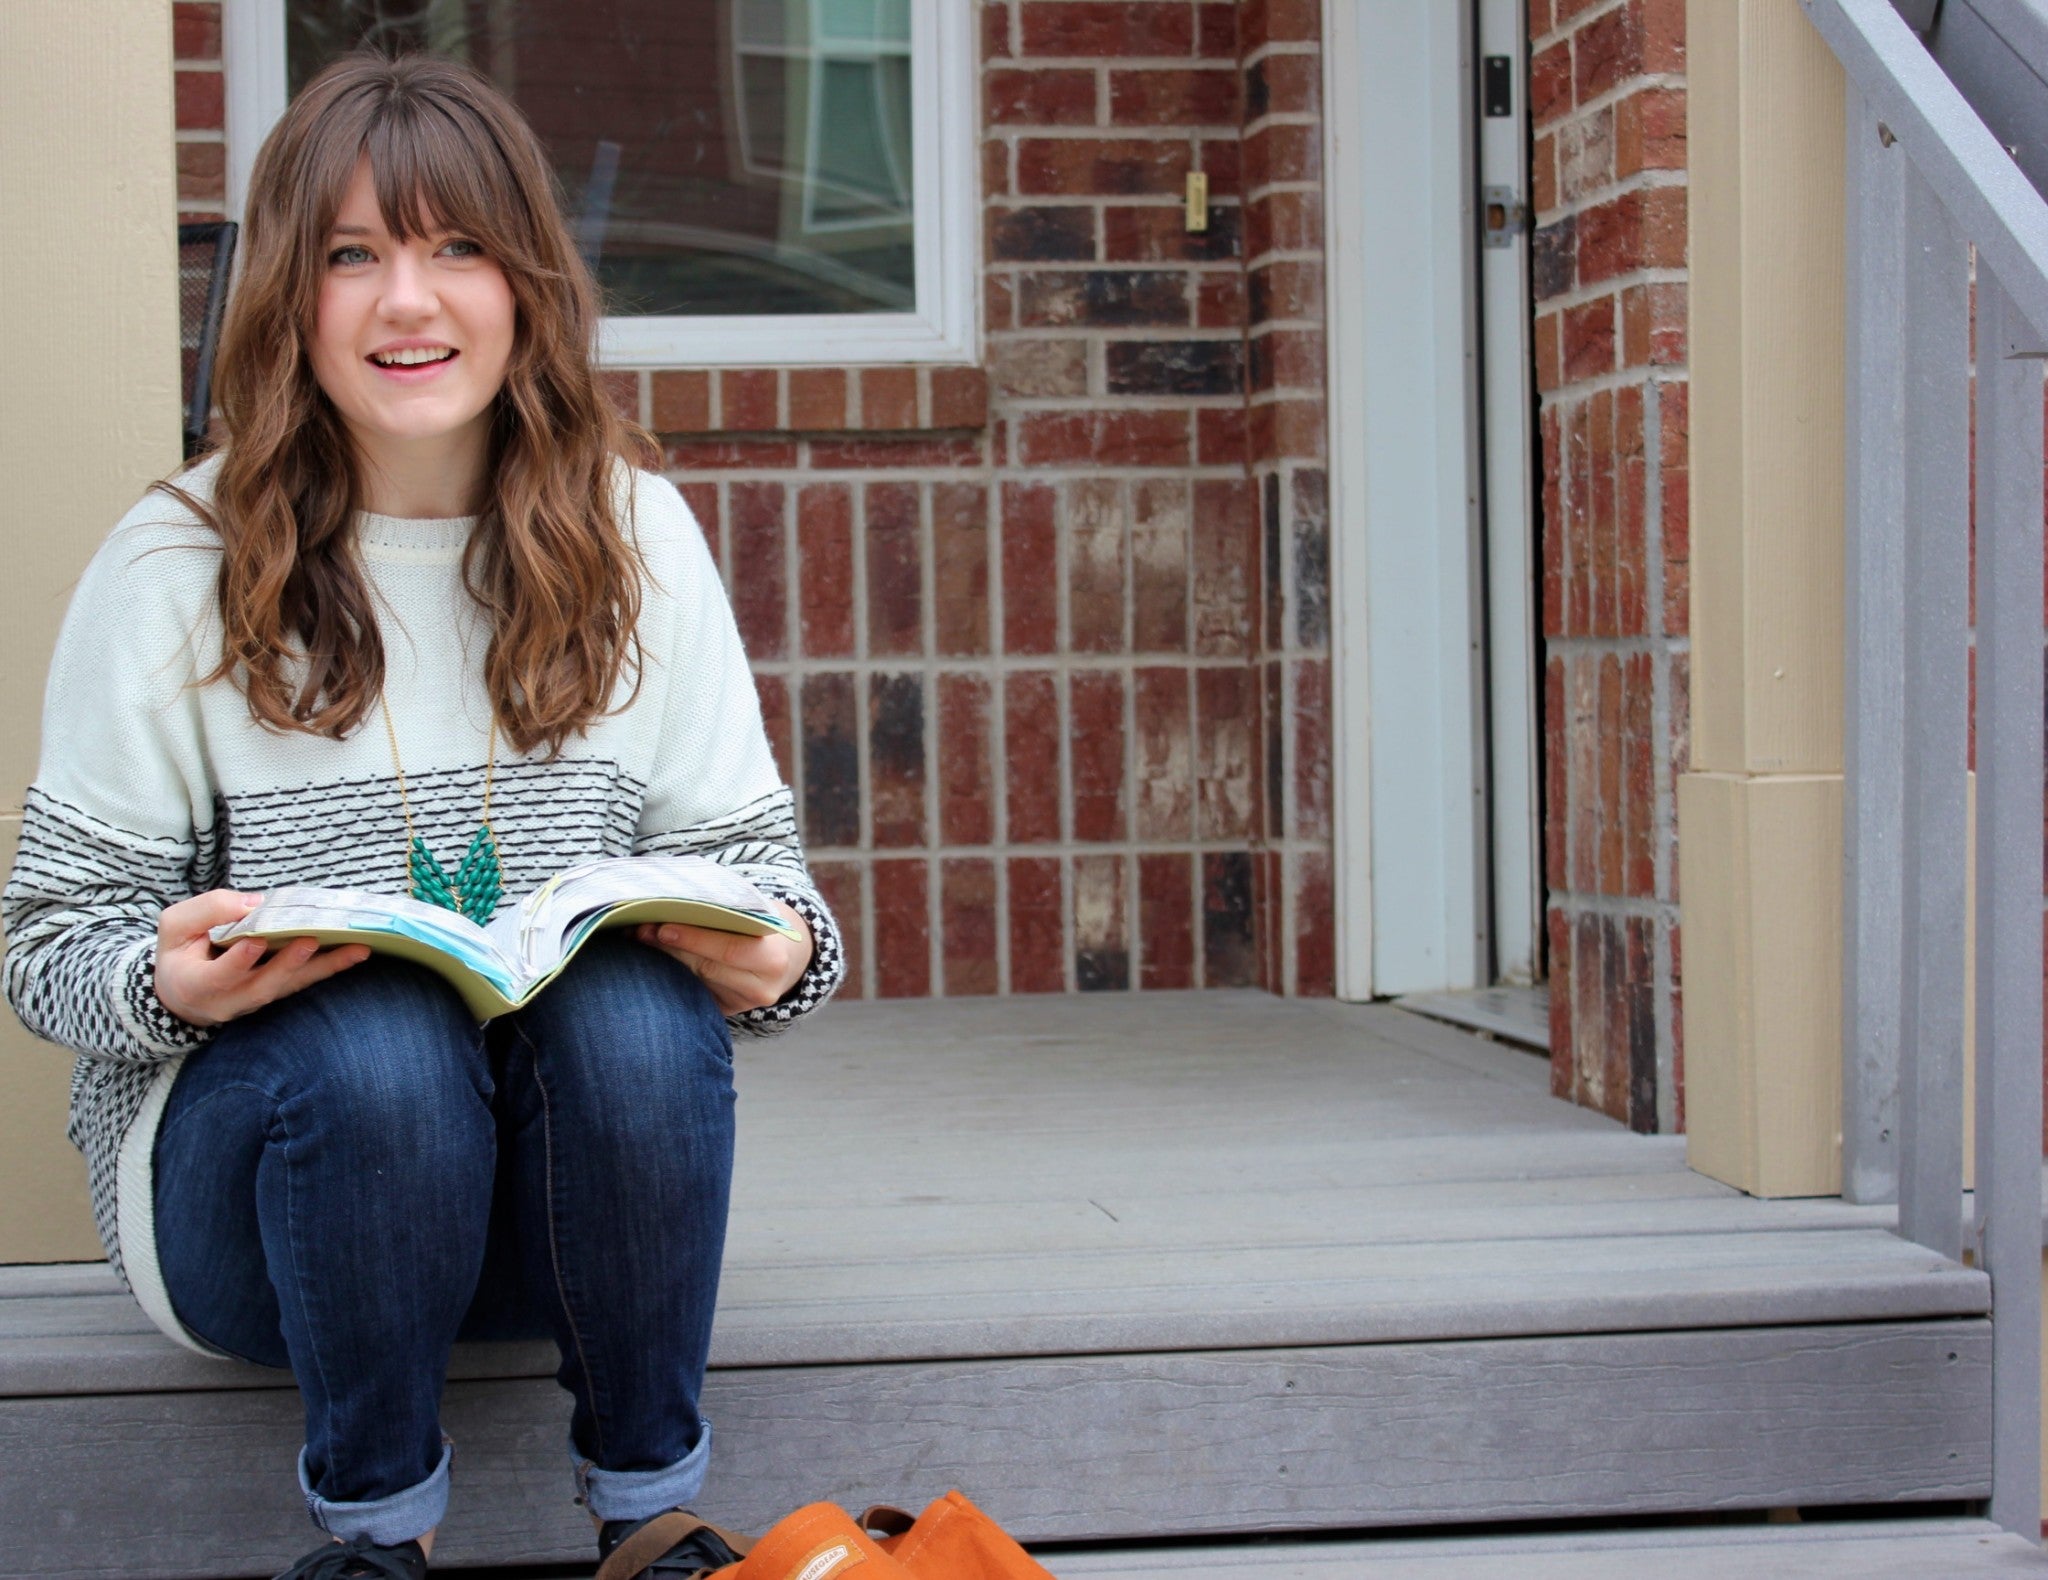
{"x": 88, "y": 416}
{"x": 1760, "y": 827}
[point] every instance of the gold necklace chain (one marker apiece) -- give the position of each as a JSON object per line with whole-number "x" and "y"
{"x": 412, "y": 840}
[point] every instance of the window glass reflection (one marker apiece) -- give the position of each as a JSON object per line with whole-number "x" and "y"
{"x": 717, "y": 156}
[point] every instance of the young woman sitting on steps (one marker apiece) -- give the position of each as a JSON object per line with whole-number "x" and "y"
{"x": 421, "y": 587}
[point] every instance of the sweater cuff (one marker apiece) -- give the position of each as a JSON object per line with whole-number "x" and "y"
{"x": 821, "y": 977}
{"x": 143, "y": 1014}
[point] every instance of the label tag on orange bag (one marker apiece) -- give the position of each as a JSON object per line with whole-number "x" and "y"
{"x": 833, "y": 1558}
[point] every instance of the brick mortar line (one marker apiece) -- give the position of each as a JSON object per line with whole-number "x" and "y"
{"x": 1589, "y": 14}
{"x": 1273, "y": 189}
{"x": 998, "y": 201}
{"x": 1011, "y": 267}
{"x": 1615, "y": 646}
{"x": 1037, "y": 63}
{"x": 201, "y": 134}
{"x": 1206, "y": 472}
{"x": 1613, "y": 379}
{"x": 1607, "y": 98}
{"x": 1266, "y": 260}
{"x": 1220, "y": 845}
{"x": 1013, "y": 132}
{"x": 1649, "y": 179}
{"x": 1053, "y": 405}
{"x": 1114, "y": 334}
{"x": 1616, "y": 907}
{"x": 1297, "y": 47}
{"x": 1580, "y": 295}
{"x": 1273, "y": 118}
{"x": 1610, "y": 383}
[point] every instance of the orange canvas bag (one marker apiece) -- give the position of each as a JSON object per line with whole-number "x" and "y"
{"x": 951, "y": 1540}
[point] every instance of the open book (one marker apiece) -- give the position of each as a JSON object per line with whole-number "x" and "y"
{"x": 499, "y": 967}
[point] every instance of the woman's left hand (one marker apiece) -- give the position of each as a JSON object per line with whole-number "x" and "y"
{"x": 742, "y": 973}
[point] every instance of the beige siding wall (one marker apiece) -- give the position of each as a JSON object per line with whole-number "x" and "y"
{"x": 88, "y": 416}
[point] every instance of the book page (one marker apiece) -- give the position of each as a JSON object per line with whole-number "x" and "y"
{"x": 556, "y": 917}
{"x": 299, "y": 911}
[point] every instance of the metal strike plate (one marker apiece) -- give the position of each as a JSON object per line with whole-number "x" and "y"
{"x": 1198, "y": 200}
{"x": 1504, "y": 215}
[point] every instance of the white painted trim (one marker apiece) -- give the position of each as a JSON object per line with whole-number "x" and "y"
{"x": 1511, "y": 613}
{"x": 1402, "y": 370}
{"x": 252, "y": 64}
{"x": 1350, "y": 674}
{"x": 946, "y": 328}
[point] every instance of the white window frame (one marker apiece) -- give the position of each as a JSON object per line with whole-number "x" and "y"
{"x": 944, "y": 145}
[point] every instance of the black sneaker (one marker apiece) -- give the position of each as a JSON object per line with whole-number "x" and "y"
{"x": 700, "y": 1552}
{"x": 360, "y": 1559}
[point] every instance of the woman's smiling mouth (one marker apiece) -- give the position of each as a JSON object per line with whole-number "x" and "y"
{"x": 412, "y": 356}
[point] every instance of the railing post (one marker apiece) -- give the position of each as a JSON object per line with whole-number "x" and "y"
{"x": 2009, "y": 852}
{"x": 1935, "y": 657}
{"x": 1874, "y": 586}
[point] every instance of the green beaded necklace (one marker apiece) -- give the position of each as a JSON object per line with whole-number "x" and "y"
{"x": 478, "y": 882}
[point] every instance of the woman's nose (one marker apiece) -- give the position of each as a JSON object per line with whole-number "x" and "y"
{"x": 408, "y": 288}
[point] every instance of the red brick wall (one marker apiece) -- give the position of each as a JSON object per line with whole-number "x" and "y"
{"x": 1607, "y": 93}
{"x": 1043, "y": 645}
{"x": 1287, "y": 452}
{"x": 201, "y": 109}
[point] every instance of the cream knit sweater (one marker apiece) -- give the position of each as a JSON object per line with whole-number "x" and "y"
{"x": 150, "y": 790}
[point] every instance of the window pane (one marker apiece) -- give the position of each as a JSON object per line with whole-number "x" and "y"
{"x": 717, "y": 156}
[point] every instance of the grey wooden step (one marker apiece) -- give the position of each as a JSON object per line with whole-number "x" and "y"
{"x": 1889, "y": 1550}
{"x": 1086, "y": 1447}
{"x": 1863, "y": 1550}
{"x": 1153, "y": 1266}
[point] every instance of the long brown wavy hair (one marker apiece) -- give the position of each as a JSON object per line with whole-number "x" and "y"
{"x": 550, "y": 560}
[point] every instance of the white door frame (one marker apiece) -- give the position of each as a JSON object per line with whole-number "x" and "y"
{"x": 1508, "y": 412}
{"x": 1424, "y": 672}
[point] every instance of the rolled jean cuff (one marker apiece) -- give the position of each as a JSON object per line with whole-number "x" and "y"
{"x": 640, "y": 1494}
{"x": 402, "y": 1517}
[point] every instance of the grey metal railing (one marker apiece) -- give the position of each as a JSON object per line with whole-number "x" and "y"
{"x": 1929, "y": 190}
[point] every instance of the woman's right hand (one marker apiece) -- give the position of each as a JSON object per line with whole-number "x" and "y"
{"x": 205, "y": 985}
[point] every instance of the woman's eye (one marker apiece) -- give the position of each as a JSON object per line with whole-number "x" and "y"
{"x": 464, "y": 249}
{"x": 349, "y": 255}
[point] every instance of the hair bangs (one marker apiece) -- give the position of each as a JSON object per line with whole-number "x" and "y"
{"x": 436, "y": 171}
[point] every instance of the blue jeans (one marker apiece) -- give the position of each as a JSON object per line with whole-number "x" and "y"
{"x": 351, "y": 1178}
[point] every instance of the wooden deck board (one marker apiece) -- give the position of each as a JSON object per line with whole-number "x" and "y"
{"x": 1091, "y": 1447}
{"x": 1880, "y": 1550}
{"x": 1162, "y": 1172}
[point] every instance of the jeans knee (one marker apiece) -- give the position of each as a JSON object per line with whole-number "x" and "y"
{"x": 385, "y": 1058}
{"x": 628, "y": 1041}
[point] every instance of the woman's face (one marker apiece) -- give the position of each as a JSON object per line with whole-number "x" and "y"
{"x": 412, "y": 338}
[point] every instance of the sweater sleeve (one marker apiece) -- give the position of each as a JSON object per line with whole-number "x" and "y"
{"x": 714, "y": 790}
{"x": 109, "y": 832}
